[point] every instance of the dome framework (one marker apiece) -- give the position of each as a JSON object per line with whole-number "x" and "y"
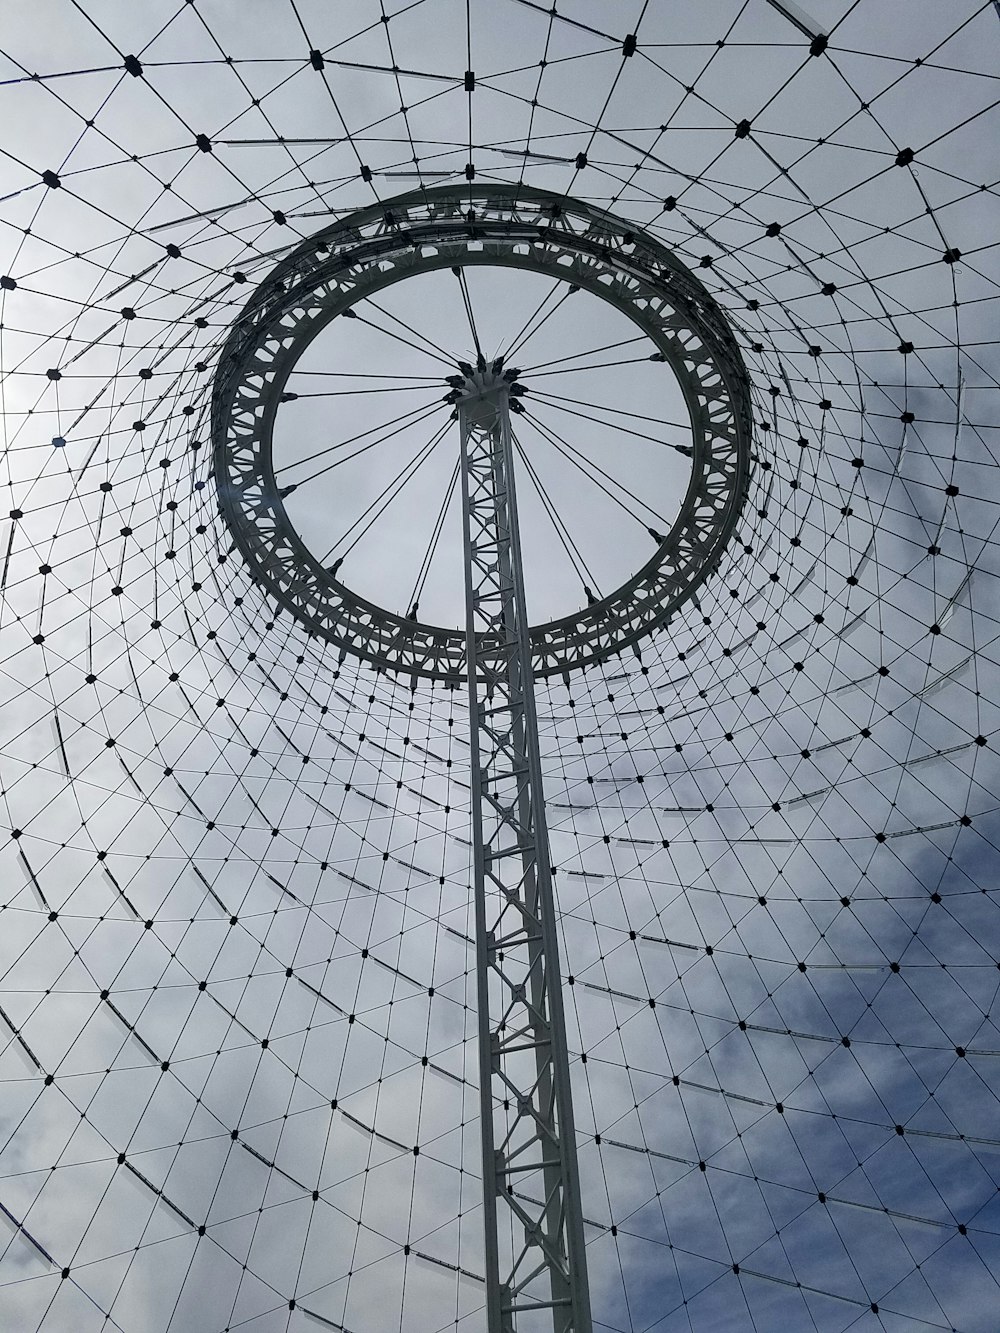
{"x": 539, "y": 1271}
{"x": 237, "y": 950}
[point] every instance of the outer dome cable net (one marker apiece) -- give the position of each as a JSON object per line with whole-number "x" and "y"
{"x": 239, "y": 1062}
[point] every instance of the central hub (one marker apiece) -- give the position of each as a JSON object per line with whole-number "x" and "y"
{"x": 484, "y": 383}
{"x": 480, "y": 388}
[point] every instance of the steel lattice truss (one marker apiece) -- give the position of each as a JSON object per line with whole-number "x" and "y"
{"x": 535, "y": 1251}
{"x": 238, "y": 1027}
{"x": 520, "y": 228}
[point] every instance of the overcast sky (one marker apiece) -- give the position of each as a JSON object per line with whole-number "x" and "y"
{"x": 236, "y": 945}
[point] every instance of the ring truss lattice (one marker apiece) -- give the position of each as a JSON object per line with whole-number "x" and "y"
{"x": 237, "y": 1028}
{"x": 499, "y": 225}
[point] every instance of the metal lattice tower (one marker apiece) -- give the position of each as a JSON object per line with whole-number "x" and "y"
{"x": 534, "y": 1248}
{"x": 535, "y": 1255}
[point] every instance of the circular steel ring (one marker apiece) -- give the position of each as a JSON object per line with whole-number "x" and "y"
{"x": 512, "y": 226}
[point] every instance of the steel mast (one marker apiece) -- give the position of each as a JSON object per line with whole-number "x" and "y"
{"x": 535, "y": 1255}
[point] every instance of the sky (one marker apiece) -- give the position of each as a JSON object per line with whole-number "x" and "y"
{"x": 237, "y": 953}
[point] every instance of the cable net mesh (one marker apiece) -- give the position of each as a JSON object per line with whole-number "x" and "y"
{"x": 238, "y": 1021}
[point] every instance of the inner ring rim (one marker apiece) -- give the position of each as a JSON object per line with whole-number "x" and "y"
{"x": 338, "y": 267}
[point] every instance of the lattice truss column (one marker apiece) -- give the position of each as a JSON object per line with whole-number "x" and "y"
{"x": 535, "y": 1261}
